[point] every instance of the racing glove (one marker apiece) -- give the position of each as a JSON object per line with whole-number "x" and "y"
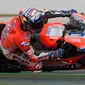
{"x": 48, "y": 55}
{"x": 52, "y": 54}
{"x": 57, "y": 54}
{"x": 60, "y": 52}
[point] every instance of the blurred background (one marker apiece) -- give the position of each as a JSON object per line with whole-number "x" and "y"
{"x": 9, "y": 8}
{"x": 12, "y": 6}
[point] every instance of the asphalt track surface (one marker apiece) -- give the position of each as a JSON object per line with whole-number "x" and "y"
{"x": 65, "y": 77}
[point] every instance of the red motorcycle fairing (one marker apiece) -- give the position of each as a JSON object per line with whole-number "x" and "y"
{"x": 51, "y": 33}
{"x": 76, "y": 40}
{"x": 49, "y": 41}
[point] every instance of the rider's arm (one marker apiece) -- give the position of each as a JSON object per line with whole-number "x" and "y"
{"x": 26, "y": 47}
{"x": 54, "y": 13}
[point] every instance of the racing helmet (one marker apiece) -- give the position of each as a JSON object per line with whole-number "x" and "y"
{"x": 32, "y": 17}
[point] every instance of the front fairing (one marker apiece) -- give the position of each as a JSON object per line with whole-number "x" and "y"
{"x": 50, "y": 34}
{"x": 76, "y": 39}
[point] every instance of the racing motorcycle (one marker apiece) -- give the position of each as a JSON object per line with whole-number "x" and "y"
{"x": 53, "y": 36}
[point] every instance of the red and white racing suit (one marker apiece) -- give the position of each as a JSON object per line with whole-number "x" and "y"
{"x": 12, "y": 38}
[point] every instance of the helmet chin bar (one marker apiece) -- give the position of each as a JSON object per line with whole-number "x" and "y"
{"x": 26, "y": 27}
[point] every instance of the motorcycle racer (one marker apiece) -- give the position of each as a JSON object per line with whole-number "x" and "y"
{"x": 16, "y": 36}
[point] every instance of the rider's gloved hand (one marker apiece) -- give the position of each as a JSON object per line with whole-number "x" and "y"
{"x": 72, "y": 11}
{"x": 52, "y": 54}
{"x": 60, "y": 53}
{"x": 63, "y": 11}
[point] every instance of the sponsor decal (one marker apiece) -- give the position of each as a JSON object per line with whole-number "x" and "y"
{"x": 25, "y": 43}
{"x": 73, "y": 40}
{"x": 39, "y": 65}
{"x": 34, "y": 15}
{"x": 21, "y": 59}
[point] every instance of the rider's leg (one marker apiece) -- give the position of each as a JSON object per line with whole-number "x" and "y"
{"x": 23, "y": 59}
{"x": 7, "y": 53}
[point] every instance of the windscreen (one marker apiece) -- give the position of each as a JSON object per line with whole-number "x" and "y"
{"x": 55, "y": 30}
